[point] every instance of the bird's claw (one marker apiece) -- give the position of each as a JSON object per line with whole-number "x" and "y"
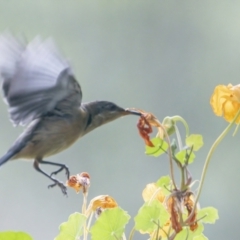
{"x": 59, "y": 184}
{"x": 60, "y": 169}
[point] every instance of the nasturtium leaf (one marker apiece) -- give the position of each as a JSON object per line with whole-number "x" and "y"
{"x": 181, "y": 156}
{"x": 160, "y": 147}
{"x": 164, "y": 184}
{"x": 11, "y": 235}
{"x": 73, "y": 228}
{"x": 208, "y": 215}
{"x": 110, "y": 225}
{"x": 186, "y": 233}
{"x": 163, "y": 181}
{"x": 195, "y": 140}
{"x": 149, "y": 215}
{"x": 200, "y": 237}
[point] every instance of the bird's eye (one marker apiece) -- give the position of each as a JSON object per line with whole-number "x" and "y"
{"x": 111, "y": 107}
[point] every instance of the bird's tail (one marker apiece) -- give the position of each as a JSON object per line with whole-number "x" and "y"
{"x": 6, "y": 157}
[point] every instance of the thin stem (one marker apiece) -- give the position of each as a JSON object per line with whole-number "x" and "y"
{"x": 182, "y": 177}
{"x": 210, "y": 153}
{"x": 84, "y": 206}
{"x": 132, "y": 234}
{"x": 179, "y": 140}
{"x": 89, "y": 221}
{"x": 169, "y": 152}
{"x": 170, "y": 159}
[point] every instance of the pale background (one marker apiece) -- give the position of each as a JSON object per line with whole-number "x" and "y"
{"x": 162, "y": 56}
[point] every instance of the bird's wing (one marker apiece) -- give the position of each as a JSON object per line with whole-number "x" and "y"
{"x": 37, "y": 80}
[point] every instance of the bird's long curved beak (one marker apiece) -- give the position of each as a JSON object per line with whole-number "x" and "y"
{"x": 133, "y": 112}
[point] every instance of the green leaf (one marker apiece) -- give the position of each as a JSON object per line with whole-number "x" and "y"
{"x": 149, "y": 215}
{"x": 195, "y": 140}
{"x": 208, "y": 215}
{"x": 159, "y": 148}
{"x": 10, "y": 235}
{"x": 181, "y": 156}
{"x": 164, "y": 183}
{"x": 73, "y": 228}
{"x": 186, "y": 233}
{"x": 110, "y": 225}
{"x": 200, "y": 237}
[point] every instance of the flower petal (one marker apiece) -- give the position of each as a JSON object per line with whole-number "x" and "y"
{"x": 218, "y": 98}
{"x": 152, "y": 190}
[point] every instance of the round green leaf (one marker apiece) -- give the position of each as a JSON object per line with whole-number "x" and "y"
{"x": 110, "y": 225}
{"x": 208, "y": 215}
{"x": 159, "y": 148}
{"x": 181, "y": 156}
{"x": 73, "y": 228}
{"x": 164, "y": 183}
{"x": 10, "y": 235}
{"x": 195, "y": 140}
{"x": 149, "y": 215}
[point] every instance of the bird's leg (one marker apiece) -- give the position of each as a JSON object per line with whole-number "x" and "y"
{"x": 56, "y": 182}
{"x": 62, "y": 167}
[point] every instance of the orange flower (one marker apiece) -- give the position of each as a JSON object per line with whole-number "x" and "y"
{"x": 226, "y": 101}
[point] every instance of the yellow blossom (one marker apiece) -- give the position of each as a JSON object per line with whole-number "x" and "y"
{"x": 152, "y": 191}
{"x": 225, "y": 101}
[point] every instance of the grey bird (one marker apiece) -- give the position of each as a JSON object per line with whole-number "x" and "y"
{"x": 42, "y": 94}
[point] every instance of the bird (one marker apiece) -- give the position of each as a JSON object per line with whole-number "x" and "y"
{"x": 43, "y": 95}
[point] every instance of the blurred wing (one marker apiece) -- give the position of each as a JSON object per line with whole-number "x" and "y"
{"x": 36, "y": 80}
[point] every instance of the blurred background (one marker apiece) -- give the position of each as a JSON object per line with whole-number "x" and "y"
{"x": 165, "y": 57}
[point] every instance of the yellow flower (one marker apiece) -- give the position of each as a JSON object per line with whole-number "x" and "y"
{"x": 225, "y": 101}
{"x": 153, "y": 191}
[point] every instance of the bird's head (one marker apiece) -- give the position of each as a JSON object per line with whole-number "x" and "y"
{"x": 101, "y": 112}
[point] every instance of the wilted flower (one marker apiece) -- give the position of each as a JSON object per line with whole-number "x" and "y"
{"x": 174, "y": 208}
{"x": 225, "y": 101}
{"x": 101, "y": 202}
{"x": 145, "y": 129}
{"x": 177, "y": 204}
{"x": 79, "y": 181}
{"x": 189, "y": 203}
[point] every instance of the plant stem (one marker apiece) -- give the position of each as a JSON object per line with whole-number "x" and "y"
{"x": 170, "y": 158}
{"x": 131, "y": 234}
{"x": 84, "y": 206}
{"x": 210, "y": 153}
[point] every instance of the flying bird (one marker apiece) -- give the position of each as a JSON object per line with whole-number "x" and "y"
{"x": 43, "y": 95}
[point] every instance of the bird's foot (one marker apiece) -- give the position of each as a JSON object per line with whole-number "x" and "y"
{"x": 59, "y": 184}
{"x": 60, "y": 169}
